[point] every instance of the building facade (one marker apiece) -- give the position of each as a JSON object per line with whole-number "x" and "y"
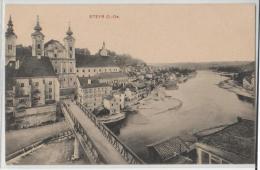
{"x": 90, "y": 93}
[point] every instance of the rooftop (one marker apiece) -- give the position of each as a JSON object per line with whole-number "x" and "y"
{"x": 84, "y": 83}
{"x": 94, "y": 61}
{"x": 109, "y": 75}
{"x": 173, "y": 146}
{"x": 237, "y": 138}
{"x": 33, "y": 67}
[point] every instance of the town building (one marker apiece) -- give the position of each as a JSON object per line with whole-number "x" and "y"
{"x": 131, "y": 97}
{"x": 36, "y": 92}
{"x": 114, "y": 103}
{"x": 90, "y": 93}
{"x": 95, "y": 64}
{"x": 235, "y": 144}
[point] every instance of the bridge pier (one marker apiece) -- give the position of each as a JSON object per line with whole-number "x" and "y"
{"x": 75, "y": 155}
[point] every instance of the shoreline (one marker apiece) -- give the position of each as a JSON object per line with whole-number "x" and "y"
{"x": 232, "y": 87}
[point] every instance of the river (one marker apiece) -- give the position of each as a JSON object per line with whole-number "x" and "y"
{"x": 205, "y": 105}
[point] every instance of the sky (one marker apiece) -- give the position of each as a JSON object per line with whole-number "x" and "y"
{"x": 152, "y": 33}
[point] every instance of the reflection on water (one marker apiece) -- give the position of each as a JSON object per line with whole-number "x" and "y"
{"x": 204, "y": 105}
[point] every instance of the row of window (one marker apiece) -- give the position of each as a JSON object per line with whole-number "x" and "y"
{"x": 83, "y": 70}
{"x": 36, "y": 83}
{"x": 64, "y": 70}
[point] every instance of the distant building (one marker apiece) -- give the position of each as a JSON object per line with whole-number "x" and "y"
{"x": 103, "y": 51}
{"x": 91, "y": 93}
{"x": 131, "y": 97}
{"x": 234, "y": 144}
{"x": 95, "y": 64}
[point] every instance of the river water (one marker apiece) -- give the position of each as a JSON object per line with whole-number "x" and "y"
{"x": 205, "y": 105}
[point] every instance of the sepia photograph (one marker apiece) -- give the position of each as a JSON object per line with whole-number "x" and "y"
{"x": 118, "y": 84}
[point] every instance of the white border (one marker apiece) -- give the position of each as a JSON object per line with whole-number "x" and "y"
{"x": 177, "y": 167}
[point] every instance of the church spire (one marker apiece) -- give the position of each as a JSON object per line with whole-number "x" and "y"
{"x": 37, "y": 26}
{"x": 104, "y": 45}
{"x": 69, "y": 32}
{"x": 10, "y": 30}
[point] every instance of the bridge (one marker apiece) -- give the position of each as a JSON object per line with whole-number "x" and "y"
{"x": 100, "y": 144}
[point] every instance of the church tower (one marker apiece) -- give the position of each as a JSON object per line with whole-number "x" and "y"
{"x": 37, "y": 40}
{"x": 10, "y": 42}
{"x": 103, "y": 50}
{"x": 69, "y": 42}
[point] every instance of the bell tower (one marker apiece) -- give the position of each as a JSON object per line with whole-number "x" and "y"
{"x": 37, "y": 40}
{"x": 69, "y": 42}
{"x": 10, "y": 42}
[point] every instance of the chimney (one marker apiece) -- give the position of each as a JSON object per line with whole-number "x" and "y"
{"x": 17, "y": 64}
{"x": 89, "y": 81}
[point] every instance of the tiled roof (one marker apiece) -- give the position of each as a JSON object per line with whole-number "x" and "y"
{"x": 84, "y": 83}
{"x": 172, "y": 147}
{"x": 33, "y": 67}
{"x": 238, "y": 138}
{"x": 108, "y": 75}
{"x": 94, "y": 61}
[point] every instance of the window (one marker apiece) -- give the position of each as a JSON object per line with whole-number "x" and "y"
{"x": 83, "y": 70}
{"x": 22, "y": 84}
{"x": 94, "y": 70}
{"x": 88, "y": 70}
{"x": 71, "y": 70}
{"x": 50, "y": 96}
{"x": 70, "y": 48}
{"x": 55, "y": 55}
{"x": 70, "y": 55}
{"x": 64, "y": 70}
{"x": 50, "y": 82}
{"x": 56, "y": 71}
{"x": 10, "y": 47}
{"x": 77, "y": 70}
{"x": 43, "y": 81}
{"x": 99, "y": 70}
{"x": 36, "y": 83}
{"x": 50, "y": 90}
{"x": 39, "y": 46}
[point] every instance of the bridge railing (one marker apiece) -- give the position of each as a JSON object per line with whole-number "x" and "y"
{"x": 89, "y": 144}
{"x": 123, "y": 149}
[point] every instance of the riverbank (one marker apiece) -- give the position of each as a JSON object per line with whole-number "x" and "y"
{"x": 204, "y": 105}
{"x": 158, "y": 102}
{"x": 231, "y": 86}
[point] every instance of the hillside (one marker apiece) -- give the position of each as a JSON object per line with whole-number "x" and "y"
{"x": 83, "y": 57}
